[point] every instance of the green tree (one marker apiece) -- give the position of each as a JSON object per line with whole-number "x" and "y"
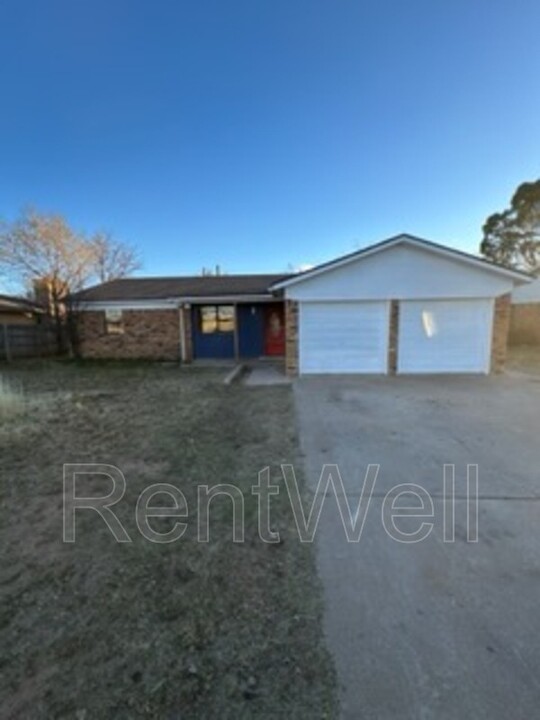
{"x": 512, "y": 237}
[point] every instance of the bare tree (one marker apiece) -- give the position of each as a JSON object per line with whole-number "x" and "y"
{"x": 113, "y": 258}
{"x": 44, "y": 252}
{"x": 44, "y": 249}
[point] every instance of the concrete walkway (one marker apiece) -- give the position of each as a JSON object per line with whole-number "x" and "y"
{"x": 431, "y": 630}
{"x": 265, "y": 375}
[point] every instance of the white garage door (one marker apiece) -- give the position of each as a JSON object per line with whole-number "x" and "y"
{"x": 445, "y": 336}
{"x": 343, "y": 337}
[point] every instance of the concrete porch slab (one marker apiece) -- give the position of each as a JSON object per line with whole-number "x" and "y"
{"x": 265, "y": 375}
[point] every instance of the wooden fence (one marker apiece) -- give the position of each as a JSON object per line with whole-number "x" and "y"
{"x": 26, "y": 341}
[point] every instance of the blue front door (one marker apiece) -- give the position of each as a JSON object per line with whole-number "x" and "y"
{"x": 250, "y": 318}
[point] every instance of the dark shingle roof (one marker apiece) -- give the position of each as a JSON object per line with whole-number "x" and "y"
{"x": 157, "y": 288}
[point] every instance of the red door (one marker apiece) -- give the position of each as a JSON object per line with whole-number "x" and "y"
{"x": 274, "y": 330}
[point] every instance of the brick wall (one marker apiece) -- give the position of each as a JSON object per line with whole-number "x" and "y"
{"x": 393, "y": 338}
{"x": 501, "y": 324}
{"x": 291, "y": 337}
{"x": 525, "y": 324}
{"x": 148, "y": 334}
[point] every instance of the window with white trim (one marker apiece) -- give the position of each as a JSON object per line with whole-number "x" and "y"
{"x": 114, "y": 321}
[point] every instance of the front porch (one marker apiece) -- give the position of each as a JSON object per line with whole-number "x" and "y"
{"x": 238, "y": 330}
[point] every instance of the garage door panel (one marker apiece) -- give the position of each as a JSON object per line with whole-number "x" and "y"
{"x": 343, "y": 337}
{"x": 445, "y": 336}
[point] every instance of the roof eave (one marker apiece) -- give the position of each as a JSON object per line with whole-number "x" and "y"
{"x": 172, "y": 302}
{"x": 247, "y": 298}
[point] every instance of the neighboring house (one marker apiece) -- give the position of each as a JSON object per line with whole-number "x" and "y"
{"x": 405, "y": 305}
{"x": 525, "y": 314}
{"x": 19, "y": 311}
{"x": 24, "y": 329}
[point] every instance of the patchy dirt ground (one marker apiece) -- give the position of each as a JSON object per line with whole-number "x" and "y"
{"x": 98, "y": 629}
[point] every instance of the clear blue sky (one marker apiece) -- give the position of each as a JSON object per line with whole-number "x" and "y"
{"x": 255, "y": 133}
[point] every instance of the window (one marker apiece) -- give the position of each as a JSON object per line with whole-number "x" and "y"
{"x": 114, "y": 322}
{"x": 216, "y": 318}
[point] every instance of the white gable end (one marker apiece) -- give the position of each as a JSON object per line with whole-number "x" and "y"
{"x": 401, "y": 272}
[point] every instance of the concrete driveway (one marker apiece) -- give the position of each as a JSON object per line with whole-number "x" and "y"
{"x": 431, "y": 629}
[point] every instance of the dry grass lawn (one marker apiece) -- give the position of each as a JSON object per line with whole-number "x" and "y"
{"x": 186, "y": 630}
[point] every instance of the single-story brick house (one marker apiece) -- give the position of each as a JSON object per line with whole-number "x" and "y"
{"x": 404, "y": 305}
{"x": 525, "y": 314}
{"x": 182, "y": 318}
